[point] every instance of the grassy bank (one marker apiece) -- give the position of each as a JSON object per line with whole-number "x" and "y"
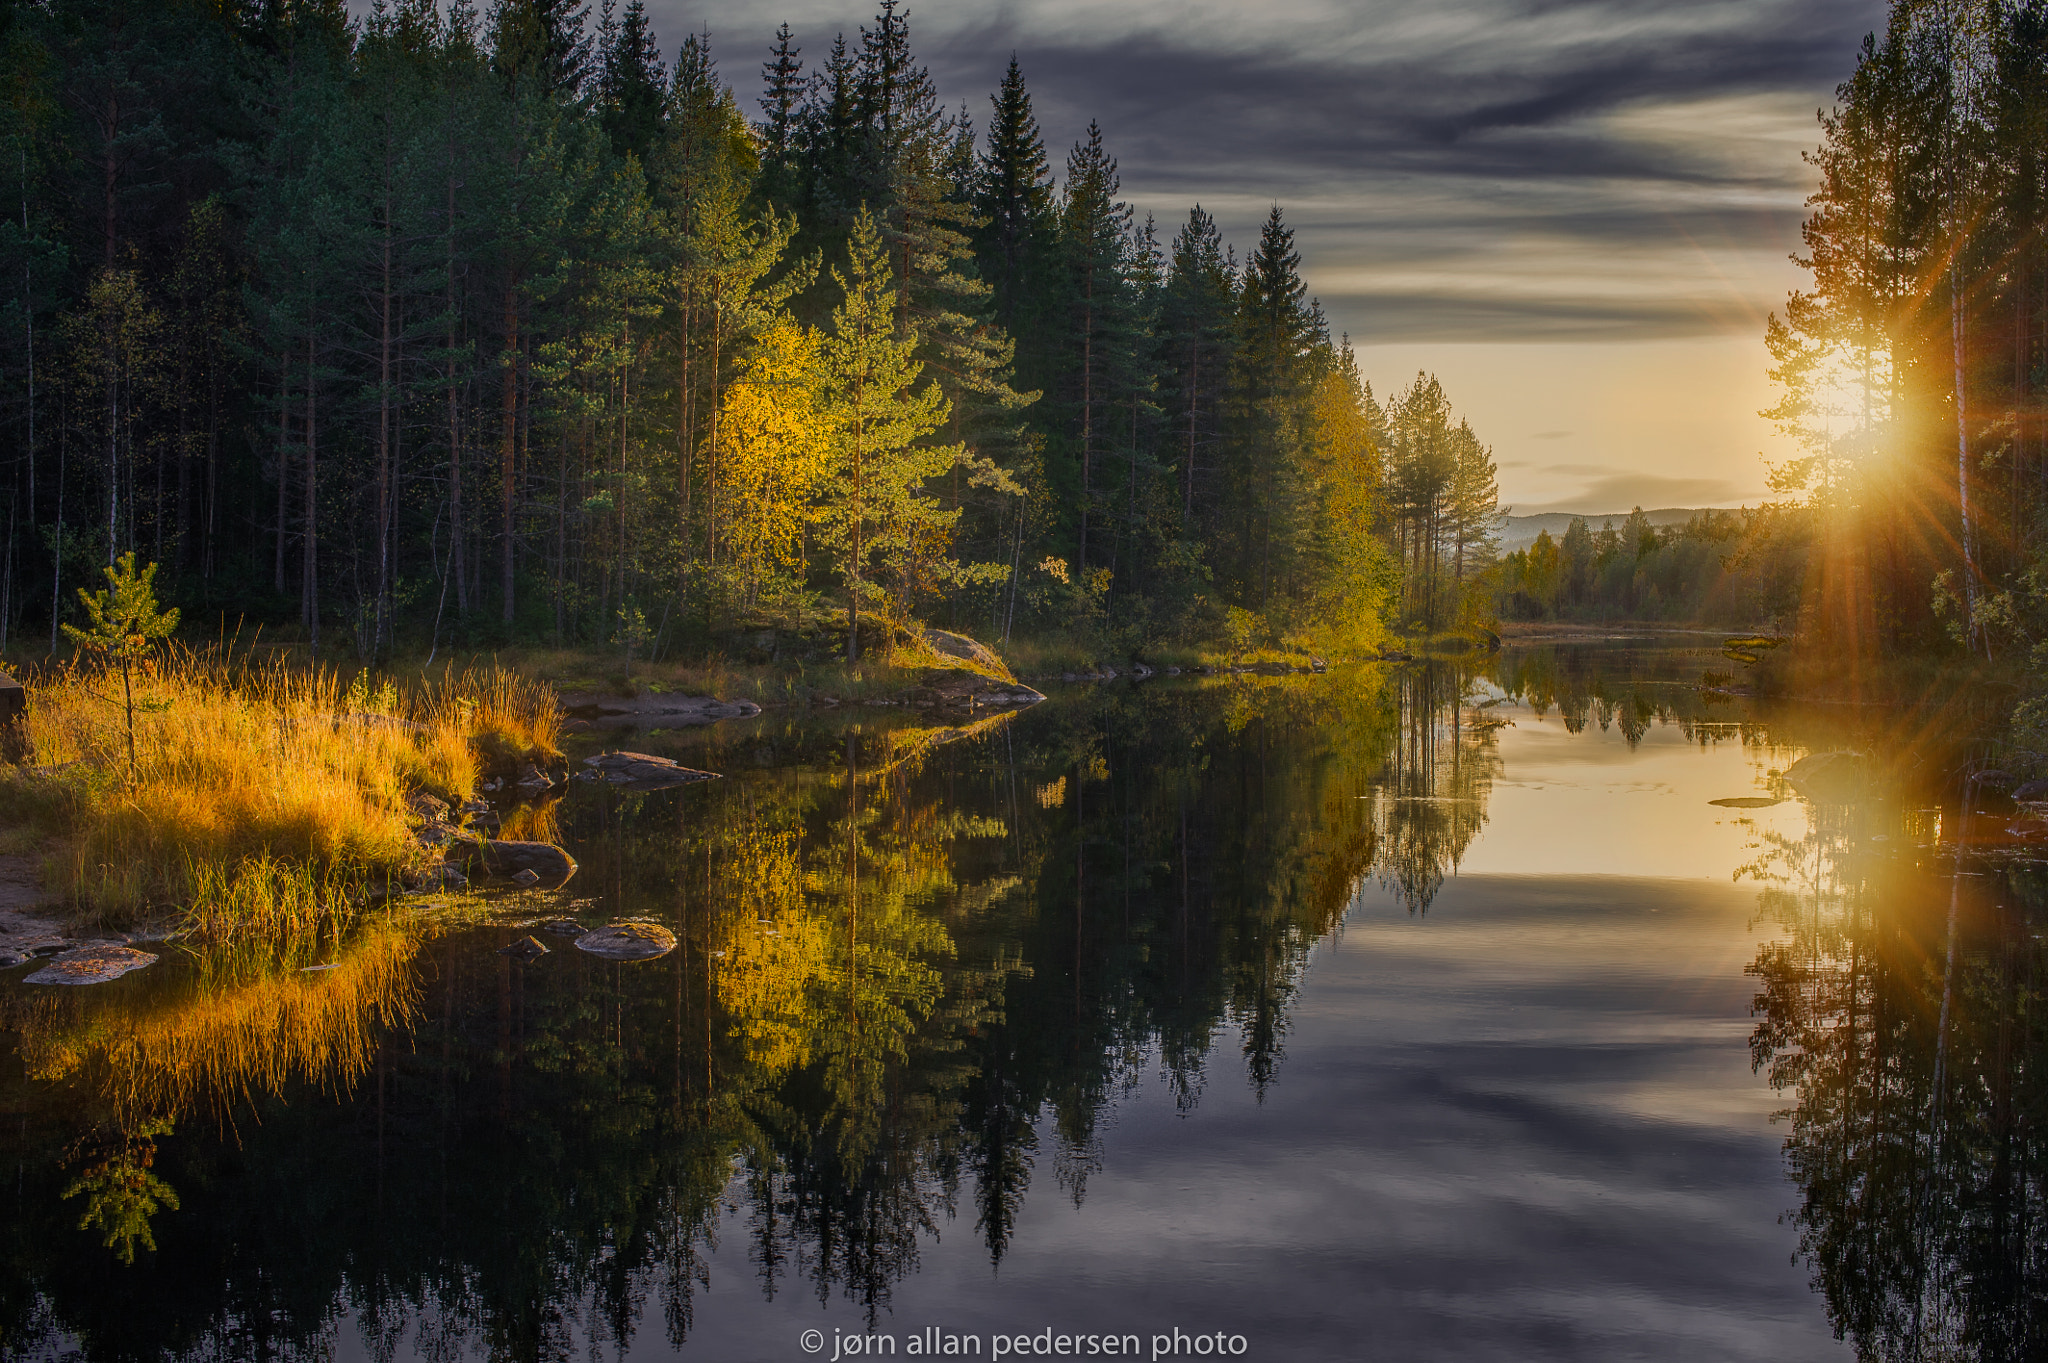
{"x": 258, "y": 793}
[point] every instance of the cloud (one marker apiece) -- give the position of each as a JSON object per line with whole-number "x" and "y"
{"x": 1455, "y": 169}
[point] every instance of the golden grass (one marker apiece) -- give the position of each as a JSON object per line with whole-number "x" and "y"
{"x": 507, "y": 715}
{"x": 261, "y": 794}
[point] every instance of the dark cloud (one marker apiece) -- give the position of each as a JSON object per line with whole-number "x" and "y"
{"x": 1491, "y": 138}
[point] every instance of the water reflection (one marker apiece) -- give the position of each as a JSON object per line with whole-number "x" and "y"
{"x": 918, "y": 969}
{"x": 1903, "y": 1014}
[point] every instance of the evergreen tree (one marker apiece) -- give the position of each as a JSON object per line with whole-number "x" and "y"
{"x": 631, "y": 82}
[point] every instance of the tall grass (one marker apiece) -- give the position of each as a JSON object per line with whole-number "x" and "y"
{"x": 508, "y": 716}
{"x": 261, "y": 794}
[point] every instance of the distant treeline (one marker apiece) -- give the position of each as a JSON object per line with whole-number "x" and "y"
{"x": 496, "y": 326}
{"x": 1733, "y": 568}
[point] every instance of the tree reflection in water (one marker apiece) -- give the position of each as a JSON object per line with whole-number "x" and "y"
{"x": 908, "y": 958}
{"x": 1904, "y": 1011}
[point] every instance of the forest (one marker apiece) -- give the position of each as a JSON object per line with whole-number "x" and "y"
{"x": 445, "y": 327}
{"x": 1911, "y": 371}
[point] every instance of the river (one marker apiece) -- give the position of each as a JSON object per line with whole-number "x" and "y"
{"x": 1409, "y": 1012}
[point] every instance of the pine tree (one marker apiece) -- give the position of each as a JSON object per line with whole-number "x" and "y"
{"x": 878, "y": 517}
{"x": 1094, "y": 230}
{"x": 781, "y": 127}
{"x": 631, "y": 81}
{"x": 1196, "y": 320}
{"x": 1016, "y": 198}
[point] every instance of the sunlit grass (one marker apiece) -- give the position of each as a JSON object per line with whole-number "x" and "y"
{"x": 261, "y": 794}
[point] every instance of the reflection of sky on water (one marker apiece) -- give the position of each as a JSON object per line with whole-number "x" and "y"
{"x": 1577, "y": 803}
{"x": 1521, "y": 1126}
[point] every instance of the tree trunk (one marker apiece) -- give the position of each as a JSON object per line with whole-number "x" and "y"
{"x": 508, "y": 446}
{"x": 383, "y": 432}
{"x": 309, "y": 586}
{"x": 284, "y": 468}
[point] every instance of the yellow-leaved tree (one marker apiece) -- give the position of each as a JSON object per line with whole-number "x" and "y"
{"x": 1354, "y": 573}
{"x": 778, "y": 433}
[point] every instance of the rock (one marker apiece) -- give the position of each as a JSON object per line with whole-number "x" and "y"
{"x": 655, "y": 711}
{"x": 13, "y": 700}
{"x": 93, "y": 963}
{"x": 563, "y": 927}
{"x": 1173, "y": 672}
{"x": 645, "y": 772}
{"x": 476, "y": 807}
{"x": 951, "y": 645}
{"x": 13, "y": 958}
{"x": 1829, "y": 777}
{"x": 427, "y": 809}
{"x": 525, "y": 949}
{"x": 2032, "y": 790}
{"x": 549, "y": 863}
{"x": 628, "y": 942}
{"x": 1747, "y": 802}
{"x": 488, "y": 821}
{"x": 525, "y": 877}
{"x": 535, "y": 779}
{"x": 970, "y": 690}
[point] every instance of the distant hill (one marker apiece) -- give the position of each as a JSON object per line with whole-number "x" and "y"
{"x": 1519, "y": 532}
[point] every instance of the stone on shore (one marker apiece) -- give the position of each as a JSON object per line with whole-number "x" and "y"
{"x": 656, "y": 711}
{"x": 93, "y": 963}
{"x": 1830, "y": 777}
{"x": 551, "y": 866}
{"x": 950, "y": 645}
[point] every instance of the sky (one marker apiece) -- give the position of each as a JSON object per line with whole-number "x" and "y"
{"x": 1576, "y": 213}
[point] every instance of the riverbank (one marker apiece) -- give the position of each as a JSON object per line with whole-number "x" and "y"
{"x": 230, "y": 793}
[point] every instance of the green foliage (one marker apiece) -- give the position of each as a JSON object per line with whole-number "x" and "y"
{"x": 127, "y": 624}
{"x": 126, "y": 620}
{"x": 480, "y": 329}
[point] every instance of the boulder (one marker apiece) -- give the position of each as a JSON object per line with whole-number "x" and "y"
{"x": 2032, "y": 790}
{"x": 632, "y": 941}
{"x": 525, "y": 877}
{"x": 527, "y": 948}
{"x": 951, "y": 645}
{"x": 563, "y": 927}
{"x": 655, "y": 711}
{"x": 1830, "y": 777}
{"x": 426, "y": 808}
{"x": 534, "y": 779}
{"x": 1747, "y": 802}
{"x": 551, "y": 866}
{"x": 93, "y": 963}
{"x": 645, "y": 772}
{"x": 970, "y": 690}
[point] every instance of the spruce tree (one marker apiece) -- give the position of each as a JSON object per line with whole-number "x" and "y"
{"x": 1016, "y": 199}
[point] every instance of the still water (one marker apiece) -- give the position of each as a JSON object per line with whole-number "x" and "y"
{"x": 1403, "y": 1013}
